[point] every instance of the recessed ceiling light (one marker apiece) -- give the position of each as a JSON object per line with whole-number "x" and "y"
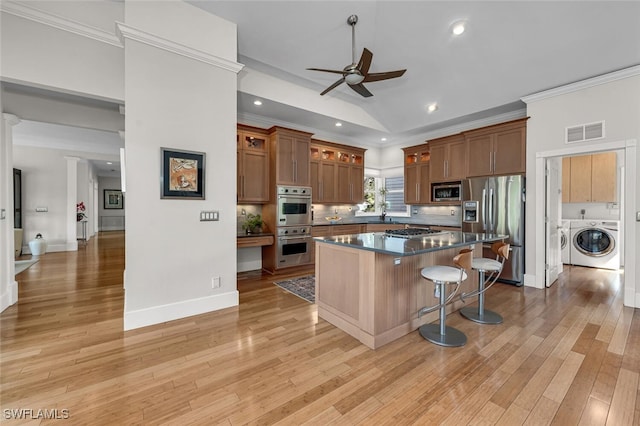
{"x": 257, "y": 102}
{"x": 383, "y": 139}
{"x": 338, "y": 124}
{"x": 432, "y": 107}
{"x": 109, "y": 162}
{"x": 458, "y": 28}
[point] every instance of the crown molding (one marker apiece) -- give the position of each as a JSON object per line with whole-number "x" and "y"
{"x": 583, "y": 84}
{"x": 10, "y": 119}
{"x": 21, "y": 10}
{"x": 127, "y": 32}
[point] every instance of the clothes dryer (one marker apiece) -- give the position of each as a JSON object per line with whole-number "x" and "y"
{"x": 595, "y": 243}
{"x": 565, "y": 241}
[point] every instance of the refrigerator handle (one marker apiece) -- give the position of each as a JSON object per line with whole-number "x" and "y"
{"x": 491, "y": 201}
{"x": 483, "y": 212}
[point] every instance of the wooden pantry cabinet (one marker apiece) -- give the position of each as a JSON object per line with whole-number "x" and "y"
{"x": 589, "y": 178}
{"x": 289, "y": 156}
{"x": 497, "y": 150}
{"x": 448, "y": 158}
{"x": 252, "y": 149}
{"x": 417, "y": 187}
{"x": 336, "y": 173}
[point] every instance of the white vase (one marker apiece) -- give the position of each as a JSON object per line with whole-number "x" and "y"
{"x": 38, "y": 245}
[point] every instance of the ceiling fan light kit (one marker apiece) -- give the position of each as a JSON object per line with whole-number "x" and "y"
{"x": 355, "y": 74}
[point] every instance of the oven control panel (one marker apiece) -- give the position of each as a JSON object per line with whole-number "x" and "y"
{"x": 292, "y": 231}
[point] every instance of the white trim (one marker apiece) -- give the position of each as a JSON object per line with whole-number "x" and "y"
{"x": 54, "y": 247}
{"x": 126, "y": 32}
{"x": 584, "y": 84}
{"x": 631, "y": 290}
{"x": 36, "y": 15}
{"x": 178, "y": 310}
{"x": 10, "y": 296}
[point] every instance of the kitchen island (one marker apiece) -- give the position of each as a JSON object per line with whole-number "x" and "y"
{"x": 369, "y": 285}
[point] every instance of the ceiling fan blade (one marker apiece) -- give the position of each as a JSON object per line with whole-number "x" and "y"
{"x": 377, "y": 76}
{"x": 361, "y": 90}
{"x": 365, "y": 61}
{"x": 325, "y": 70}
{"x": 333, "y": 86}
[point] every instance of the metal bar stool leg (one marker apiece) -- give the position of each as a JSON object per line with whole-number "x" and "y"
{"x": 441, "y": 334}
{"x": 480, "y": 314}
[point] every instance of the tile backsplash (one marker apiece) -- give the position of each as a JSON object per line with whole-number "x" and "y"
{"x": 426, "y": 215}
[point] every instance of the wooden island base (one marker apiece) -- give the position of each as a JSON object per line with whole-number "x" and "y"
{"x": 375, "y": 297}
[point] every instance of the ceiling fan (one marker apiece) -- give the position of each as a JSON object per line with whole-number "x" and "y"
{"x": 357, "y": 73}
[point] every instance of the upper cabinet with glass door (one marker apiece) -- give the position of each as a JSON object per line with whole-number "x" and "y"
{"x": 337, "y": 172}
{"x": 416, "y": 174}
{"x": 253, "y": 165}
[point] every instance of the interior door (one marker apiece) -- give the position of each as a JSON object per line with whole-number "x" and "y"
{"x": 553, "y": 221}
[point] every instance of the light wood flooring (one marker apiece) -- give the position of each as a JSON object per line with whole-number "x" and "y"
{"x": 568, "y": 355}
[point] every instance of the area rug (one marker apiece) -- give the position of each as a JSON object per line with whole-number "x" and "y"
{"x": 303, "y": 287}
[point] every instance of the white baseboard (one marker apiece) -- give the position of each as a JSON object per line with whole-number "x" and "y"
{"x": 174, "y": 311}
{"x": 53, "y": 247}
{"x": 530, "y": 281}
{"x": 9, "y": 297}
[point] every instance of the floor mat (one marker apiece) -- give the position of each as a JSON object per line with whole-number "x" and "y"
{"x": 303, "y": 287}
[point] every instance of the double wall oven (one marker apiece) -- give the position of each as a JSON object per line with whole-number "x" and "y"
{"x": 293, "y": 226}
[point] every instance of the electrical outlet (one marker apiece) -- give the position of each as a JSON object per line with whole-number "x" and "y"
{"x": 244, "y": 212}
{"x": 215, "y": 282}
{"x": 453, "y": 212}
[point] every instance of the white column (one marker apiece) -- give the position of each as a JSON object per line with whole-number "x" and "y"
{"x": 72, "y": 199}
{"x": 8, "y": 284}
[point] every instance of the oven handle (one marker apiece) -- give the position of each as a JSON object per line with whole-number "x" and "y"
{"x": 294, "y": 237}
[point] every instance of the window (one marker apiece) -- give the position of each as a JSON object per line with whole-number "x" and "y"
{"x": 394, "y": 197}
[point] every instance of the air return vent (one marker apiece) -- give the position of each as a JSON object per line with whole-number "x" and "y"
{"x": 585, "y": 132}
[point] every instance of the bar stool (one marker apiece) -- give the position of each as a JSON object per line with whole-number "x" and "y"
{"x": 440, "y": 275}
{"x": 493, "y": 267}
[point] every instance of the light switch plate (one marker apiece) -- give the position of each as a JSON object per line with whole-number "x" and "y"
{"x": 3, "y": 214}
{"x": 209, "y": 216}
{"x": 42, "y": 209}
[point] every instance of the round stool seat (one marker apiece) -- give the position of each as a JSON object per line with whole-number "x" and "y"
{"x": 484, "y": 264}
{"x": 443, "y": 274}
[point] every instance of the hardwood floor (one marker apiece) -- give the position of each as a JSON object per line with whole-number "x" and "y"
{"x": 567, "y": 355}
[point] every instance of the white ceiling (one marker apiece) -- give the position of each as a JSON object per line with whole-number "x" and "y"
{"x": 509, "y": 50}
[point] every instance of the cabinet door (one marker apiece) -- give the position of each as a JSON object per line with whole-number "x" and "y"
{"x": 580, "y": 179}
{"x": 314, "y": 181}
{"x": 327, "y": 181}
{"x": 255, "y": 180}
{"x": 411, "y": 189}
{"x": 301, "y": 161}
{"x": 509, "y": 152}
{"x": 343, "y": 182}
{"x": 424, "y": 185}
{"x": 480, "y": 155}
{"x": 284, "y": 160}
{"x": 603, "y": 177}
{"x": 457, "y": 160}
{"x": 357, "y": 184}
{"x": 566, "y": 179}
{"x": 437, "y": 163}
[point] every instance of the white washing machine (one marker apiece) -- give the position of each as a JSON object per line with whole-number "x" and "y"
{"x": 595, "y": 243}
{"x": 565, "y": 241}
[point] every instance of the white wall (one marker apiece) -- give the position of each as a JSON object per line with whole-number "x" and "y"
{"x": 46, "y": 56}
{"x": 44, "y": 177}
{"x": 617, "y": 102}
{"x": 177, "y": 102}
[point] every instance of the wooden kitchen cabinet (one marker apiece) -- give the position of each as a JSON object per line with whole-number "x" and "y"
{"x": 448, "y": 159}
{"x": 337, "y": 173}
{"x": 416, "y": 175}
{"x": 252, "y": 150}
{"x": 589, "y": 178}
{"x": 289, "y": 156}
{"x": 497, "y": 150}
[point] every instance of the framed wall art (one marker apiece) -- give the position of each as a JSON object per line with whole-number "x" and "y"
{"x": 182, "y": 174}
{"x": 113, "y": 199}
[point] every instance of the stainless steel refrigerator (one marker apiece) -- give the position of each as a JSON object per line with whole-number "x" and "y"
{"x": 496, "y": 205}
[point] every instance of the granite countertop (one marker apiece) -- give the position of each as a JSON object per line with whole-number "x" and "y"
{"x": 381, "y": 243}
{"x": 257, "y": 234}
{"x": 379, "y": 222}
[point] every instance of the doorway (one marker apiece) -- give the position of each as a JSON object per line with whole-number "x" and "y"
{"x": 628, "y": 198}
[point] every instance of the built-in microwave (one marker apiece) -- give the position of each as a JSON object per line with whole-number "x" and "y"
{"x": 448, "y": 191}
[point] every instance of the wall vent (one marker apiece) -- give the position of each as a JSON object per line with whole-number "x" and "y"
{"x": 585, "y": 132}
